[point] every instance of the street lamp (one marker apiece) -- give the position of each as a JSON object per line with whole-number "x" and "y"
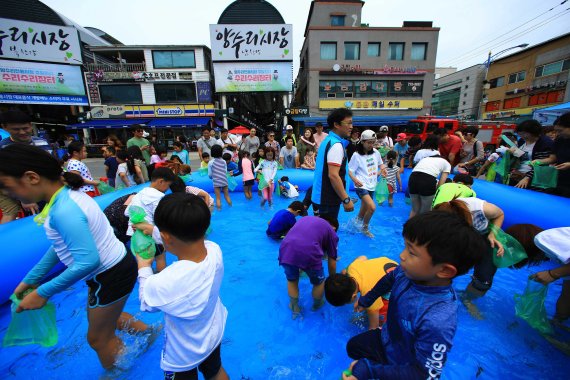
{"x": 487, "y": 85}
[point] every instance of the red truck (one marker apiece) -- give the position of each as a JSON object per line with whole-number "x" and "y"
{"x": 489, "y": 131}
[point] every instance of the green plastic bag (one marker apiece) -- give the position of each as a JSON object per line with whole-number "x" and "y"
{"x": 530, "y": 306}
{"x": 104, "y": 188}
{"x": 232, "y": 183}
{"x": 186, "y": 178}
{"x": 503, "y": 168}
{"x": 203, "y": 172}
{"x": 491, "y": 173}
{"x": 31, "y": 326}
{"x": 383, "y": 150}
{"x": 514, "y": 251}
{"x": 278, "y": 189}
{"x": 382, "y": 190}
{"x": 545, "y": 176}
{"x": 262, "y": 182}
{"x": 141, "y": 244}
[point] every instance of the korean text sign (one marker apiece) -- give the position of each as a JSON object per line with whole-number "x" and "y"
{"x": 253, "y": 76}
{"x": 257, "y": 42}
{"x": 40, "y": 78}
{"x": 39, "y": 42}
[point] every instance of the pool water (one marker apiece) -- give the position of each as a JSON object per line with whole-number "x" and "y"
{"x": 261, "y": 340}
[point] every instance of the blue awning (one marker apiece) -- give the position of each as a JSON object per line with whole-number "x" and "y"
{"x": 179, "y": 122}
{"x": 358, "y": 121}
{"x": 109, "y": 123}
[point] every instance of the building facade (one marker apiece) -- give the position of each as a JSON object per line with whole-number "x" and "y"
{"x": 162, "y": 87}
{"x": 534, "y": 78}
{"x": 375, "y": 71}
{"x": 458, "y": 94}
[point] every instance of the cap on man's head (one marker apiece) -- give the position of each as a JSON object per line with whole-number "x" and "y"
{"x": 289, "y": 127}
{"x": 15, "y": 117}
{"x": 368, "y": 135}
{"x": 383, "y": 128}
{"x": 401, "y": 136}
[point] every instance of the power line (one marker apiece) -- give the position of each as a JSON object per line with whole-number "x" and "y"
{"x": 523, "y": 32}
{"x": 478, "y": 48}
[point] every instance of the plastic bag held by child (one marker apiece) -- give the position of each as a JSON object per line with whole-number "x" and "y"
{"x": 141, "y": 244}
{"x": 514, "y": 251}
{"x": 382, "y": 190}
{"x": 232, "y": 183}
{"x": 530, "y": 306}
{"x": 104, "y": 188}
{"x": 31, "y": 326}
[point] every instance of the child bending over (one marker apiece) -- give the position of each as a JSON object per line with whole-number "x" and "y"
{"x": 360, "y": 277}
{"x": 284, "y": 220}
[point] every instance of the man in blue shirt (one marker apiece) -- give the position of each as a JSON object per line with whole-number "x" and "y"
{"x": 284, "y": 220}
{"x": 329, "y": 183}
{"x": 422, "y": 316}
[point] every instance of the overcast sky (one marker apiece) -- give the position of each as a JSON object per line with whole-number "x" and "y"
{"x": 469, "y": 29}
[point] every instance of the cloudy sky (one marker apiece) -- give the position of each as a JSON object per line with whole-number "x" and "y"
{"x": 469, "y": 29}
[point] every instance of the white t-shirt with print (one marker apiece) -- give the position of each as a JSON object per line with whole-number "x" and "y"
{"x": 123, "y": 168}
{"x": 433, "y": 166}
{"x": 423, "y": 153}
{"x": 365, "y": 168}
{"x": 475, "y": 206}
{"x": 78, "y": 166}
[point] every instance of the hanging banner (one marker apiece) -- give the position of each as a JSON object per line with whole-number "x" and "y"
{"x": 372, "y": 104}
{"x": 257, "y": 42}
{"x": 253, "y": 76}
{"x": 19, "y": 80}
{"x": 39, "y": 42}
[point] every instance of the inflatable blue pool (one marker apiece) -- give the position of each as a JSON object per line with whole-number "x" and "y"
{"x": 261, "y": 341}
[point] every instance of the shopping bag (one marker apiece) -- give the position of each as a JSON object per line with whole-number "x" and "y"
{"x": 31, "y": 326}
{"x": 514, "y": 251}
{"x": 141, "y": 244}
{"x": 530, "y": 306}
{"x": 203, "y": 172}
{"x": 382, "y": 190}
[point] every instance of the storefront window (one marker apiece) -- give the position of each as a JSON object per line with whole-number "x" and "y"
{"x": 120, "y": 94}
{"x": 173, "y": 59}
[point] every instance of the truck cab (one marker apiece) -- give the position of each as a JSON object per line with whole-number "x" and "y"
{"x": 425, "y": 125}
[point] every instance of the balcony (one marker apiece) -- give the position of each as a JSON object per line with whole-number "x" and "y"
{"x": 115, "y": 67}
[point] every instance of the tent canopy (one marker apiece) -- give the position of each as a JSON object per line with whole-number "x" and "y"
{"x": 239, "y": 130}
{"x": 547, "y": 116}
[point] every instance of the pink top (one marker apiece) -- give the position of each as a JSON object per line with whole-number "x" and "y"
{"x": 247, "y": 168}
{"x": 319, "y": 138}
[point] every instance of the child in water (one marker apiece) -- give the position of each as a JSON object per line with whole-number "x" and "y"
{"x": 268, "y": 169}
{"x": 217, "y": 170}
{"x": 392, "y": 175}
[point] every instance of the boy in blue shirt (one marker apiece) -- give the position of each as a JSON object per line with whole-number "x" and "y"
{"x": 284, "y": 220}
{"x": 232, "y": 166}
{"x": 422, "y": 317}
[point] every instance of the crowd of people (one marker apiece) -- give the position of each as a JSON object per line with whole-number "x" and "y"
{"x": 411, "y": 305}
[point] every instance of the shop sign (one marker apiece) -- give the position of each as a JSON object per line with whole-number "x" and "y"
{"x": 257, "y": 42}
{"x": 253, "y": 76}
{"x": 386, "y": 70}
{"x": 137, "y": 76}
{"x": 295, "y": 111}
{"x": 33, "y": 78}
{"x": 168, "y": 110}
{"x": 372, "y": 104}
{"x": 204, "y": 92}
{"x": 23, "y": 40}
{"x": 106, "y": 112}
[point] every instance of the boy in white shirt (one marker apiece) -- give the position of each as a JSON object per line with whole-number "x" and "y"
{"x": 148, "y": 199}
{"x": 187, "y": 291}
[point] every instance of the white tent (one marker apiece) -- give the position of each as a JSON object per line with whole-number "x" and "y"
{"x": 547, "y": 116}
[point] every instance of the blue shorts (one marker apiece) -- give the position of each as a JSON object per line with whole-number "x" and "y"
{"x": 363, "y": 192}
{"x": 316, "y": 276}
